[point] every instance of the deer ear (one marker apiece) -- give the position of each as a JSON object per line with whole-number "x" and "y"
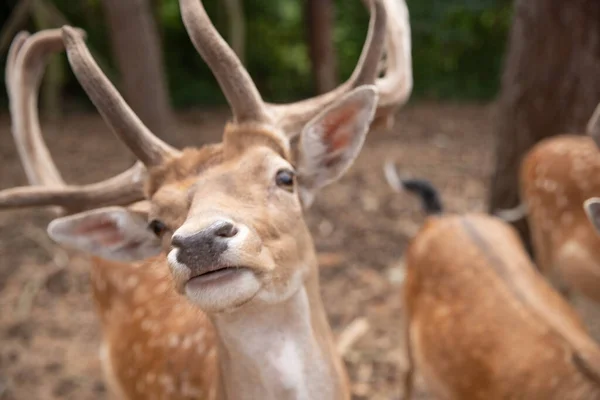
{"x": 113, "y": 233}
{"x": 329, "y": 144}
{"x": 592, "y": 209}
{"x": 593, "y": 126}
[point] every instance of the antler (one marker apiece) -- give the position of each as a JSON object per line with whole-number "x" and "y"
{"x": 388, "y": 24}
{"x": 27, "y": 57}
{"x": 239, "y": 89}
{"x": 25, "y": 64}
{"x": 396, "y": 86}
{"x": 148, "y": 148}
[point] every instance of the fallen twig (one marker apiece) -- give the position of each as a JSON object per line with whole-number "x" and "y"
{"x": 351, "y": 334}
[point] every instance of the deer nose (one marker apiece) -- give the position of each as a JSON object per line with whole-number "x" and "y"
{"x": 203, "y": 248}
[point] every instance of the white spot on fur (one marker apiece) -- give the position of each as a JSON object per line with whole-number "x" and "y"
{"x": 198, "y": 336}
{"x": 212, "y": 353}
{"x": 173, "y": 340}
{"x": 147, "y": 325}
{"x": 166, "y": 381}
{"x": 189, "y": 390}
{"x": 150, "y": 377}
{"x": 539, "y": 183}
{"x": 549, "y": 185}
{"x": 132, "y": 281}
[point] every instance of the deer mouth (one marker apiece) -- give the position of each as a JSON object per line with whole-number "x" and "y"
{"x": 218, "y": 275}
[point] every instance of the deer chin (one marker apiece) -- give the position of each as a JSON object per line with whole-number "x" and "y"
{"x": 222, "y": 289}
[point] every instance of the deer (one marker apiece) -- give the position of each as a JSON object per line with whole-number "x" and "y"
{"x": 481, "y": 322}
{"x": 556, "y": 180}
{"x": 203, "y": 270}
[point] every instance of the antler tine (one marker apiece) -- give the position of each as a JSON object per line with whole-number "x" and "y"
{"x": 11, "y": 58}
{"x": 292, "y": 117}
{"x": 123, "y": 189}
{"x": 389, "y": 24}
{"x": 396, "y": 86}
{"x": 125, "y": 123}
{"x": 244, "y": 98}
{"x": 27, "y": 57}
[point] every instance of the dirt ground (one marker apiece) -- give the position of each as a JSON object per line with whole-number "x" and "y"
{"x": 49, "y": 333}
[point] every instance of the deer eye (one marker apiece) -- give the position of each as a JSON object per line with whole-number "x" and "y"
{"x": 158, "y": 227}
{"x": 285, "y": 179}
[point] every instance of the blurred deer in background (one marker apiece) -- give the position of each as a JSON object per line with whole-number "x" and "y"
{"x": 558, "y": 175}
{"x": 481, "y": 322}
{"x": 204, "y": 272}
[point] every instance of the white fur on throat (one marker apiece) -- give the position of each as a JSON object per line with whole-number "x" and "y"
{"x": 271, "y": 353}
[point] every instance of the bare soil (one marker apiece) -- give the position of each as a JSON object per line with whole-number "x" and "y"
{"x": 49, "y": 333}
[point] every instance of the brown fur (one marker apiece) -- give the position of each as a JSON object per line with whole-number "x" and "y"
{"x": 194, "y": 160}
{"x": 482, "y": 324}
{"x": 557, "y": 176}
{"x": 158, "y": 344}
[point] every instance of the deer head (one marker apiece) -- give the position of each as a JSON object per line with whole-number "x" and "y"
{"x": 228, "y": 216}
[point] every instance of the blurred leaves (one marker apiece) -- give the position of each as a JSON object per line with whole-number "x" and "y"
{"x": 457, "y": 46}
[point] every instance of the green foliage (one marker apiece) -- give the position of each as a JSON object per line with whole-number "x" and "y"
{"x": 457, "y": 46}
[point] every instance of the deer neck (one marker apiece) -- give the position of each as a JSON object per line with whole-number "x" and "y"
{"x": 280, "y": 351}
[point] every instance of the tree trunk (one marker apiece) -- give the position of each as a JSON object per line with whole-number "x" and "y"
{"x": 319, "y": 17}
{"x": 137, "y": 50}
{"x": 551, "y": 85}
